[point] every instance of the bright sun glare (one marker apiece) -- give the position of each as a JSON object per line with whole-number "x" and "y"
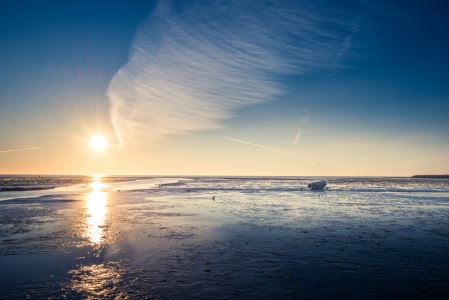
{"x": 98, "y": 142}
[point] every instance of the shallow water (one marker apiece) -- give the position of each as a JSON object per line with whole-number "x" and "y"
{"x": 117, "y": 184}
{"x": 259, "y": 238}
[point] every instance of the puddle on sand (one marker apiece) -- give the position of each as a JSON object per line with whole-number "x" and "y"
{"x": 175, "y": 244}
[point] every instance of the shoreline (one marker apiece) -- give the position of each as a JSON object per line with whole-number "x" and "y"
{"x": 25, "y": 189}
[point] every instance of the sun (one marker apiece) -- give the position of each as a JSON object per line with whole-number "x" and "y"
{"x": 98, "y": 143}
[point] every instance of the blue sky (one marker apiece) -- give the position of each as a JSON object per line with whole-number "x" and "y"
{"x": 167, "y": 80}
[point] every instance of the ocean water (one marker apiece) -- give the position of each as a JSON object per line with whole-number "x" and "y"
{"x": 228, "y": 238}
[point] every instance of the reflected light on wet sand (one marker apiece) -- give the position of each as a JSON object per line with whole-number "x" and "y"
{"x": 96, "y": 211}
{"x": 99, "y": 281}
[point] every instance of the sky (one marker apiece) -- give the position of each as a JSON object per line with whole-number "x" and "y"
{"x": 247, "y": 88}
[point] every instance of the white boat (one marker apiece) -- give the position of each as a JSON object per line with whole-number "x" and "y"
{"x": 319, "y": 185}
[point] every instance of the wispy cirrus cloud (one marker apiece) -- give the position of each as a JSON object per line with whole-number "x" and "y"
{"x": 193, "y": 65}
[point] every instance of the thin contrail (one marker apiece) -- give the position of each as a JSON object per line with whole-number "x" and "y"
{"x": 19, "y": 149}
{"x": 328, "y": 162}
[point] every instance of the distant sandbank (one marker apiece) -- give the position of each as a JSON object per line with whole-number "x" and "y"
{"x": 432, "y": 176}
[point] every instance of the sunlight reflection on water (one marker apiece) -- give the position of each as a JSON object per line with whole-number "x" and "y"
{"x": 98, "y": 280}
{"x": 96, "y": 211}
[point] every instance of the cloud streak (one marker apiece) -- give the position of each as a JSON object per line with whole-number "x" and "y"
{"x": 19, "y": 149}
{"x": 298, "y": 135}
{"x": 193, "y": 65}
{"x": 286, "y": 152}
{"x": 303, "y": 121}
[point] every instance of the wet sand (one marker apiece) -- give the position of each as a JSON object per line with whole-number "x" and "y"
{"x": 259, "y": 239}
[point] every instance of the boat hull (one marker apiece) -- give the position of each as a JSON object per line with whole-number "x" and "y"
{"x": 319, "y": 185}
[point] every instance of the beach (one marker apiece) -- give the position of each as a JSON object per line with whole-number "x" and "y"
{"x": 229, "y": 238}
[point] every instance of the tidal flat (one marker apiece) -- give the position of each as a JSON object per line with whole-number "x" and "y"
{"x": 229, "y": 238}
